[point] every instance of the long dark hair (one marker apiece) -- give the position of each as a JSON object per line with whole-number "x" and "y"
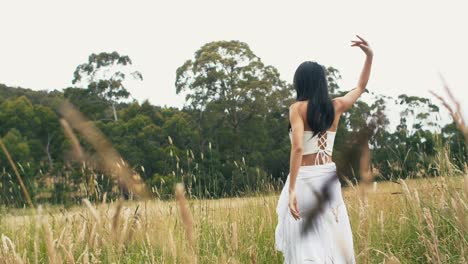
{"x": 311, "y": 84}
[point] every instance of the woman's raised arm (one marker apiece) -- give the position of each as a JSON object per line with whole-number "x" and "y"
{"x": 345, "y": 102}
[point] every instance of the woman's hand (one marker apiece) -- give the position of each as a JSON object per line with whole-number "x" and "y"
{"x": 364, "y": 45}
{"x": 344, "y": 103}
{"x": 293, "y": 204}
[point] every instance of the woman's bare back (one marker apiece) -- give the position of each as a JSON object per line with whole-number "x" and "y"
{"x": 309, "y": 159}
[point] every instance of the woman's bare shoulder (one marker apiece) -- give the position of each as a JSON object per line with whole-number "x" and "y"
{"x": 295, "y": 105}
{"x": 298, "y": 104}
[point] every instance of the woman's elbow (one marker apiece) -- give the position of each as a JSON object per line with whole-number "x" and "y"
{"x": 296, "y": 150}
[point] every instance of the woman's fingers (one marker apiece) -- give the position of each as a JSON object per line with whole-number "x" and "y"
{"x": 293, "y": 205}
{"x": 295, "y": 214}
{"x": 294, "y": 211}
{"x": 360, "y": 45}
{"x": 357, "y": 43}
{"x": 361, "y": 39}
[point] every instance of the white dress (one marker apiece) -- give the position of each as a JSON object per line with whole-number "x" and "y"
{"x": 323, "y": 233}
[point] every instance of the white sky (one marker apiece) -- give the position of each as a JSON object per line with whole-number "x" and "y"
{"x": 43, "y": 41}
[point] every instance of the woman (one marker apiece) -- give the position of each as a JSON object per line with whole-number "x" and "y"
{"x": 313, "y": 224}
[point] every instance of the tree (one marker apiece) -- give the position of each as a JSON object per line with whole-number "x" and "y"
{"x": 333, "y": 75}
{"x": 418, "y": 112}
{"x": 49, "y": 132}
{"x": 227, "y": 78}
{"x": 105, "y": 74}
{"x": 89, "y": 103}
{"x": 18, "y": 113}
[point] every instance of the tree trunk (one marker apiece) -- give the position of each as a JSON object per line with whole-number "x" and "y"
{"x": 49, "y": 138}
{"x": 115, "y": 112}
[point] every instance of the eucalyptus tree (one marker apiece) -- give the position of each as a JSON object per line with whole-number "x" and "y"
{"x": 228, "y": 81}
{"x": 105, "y": 75}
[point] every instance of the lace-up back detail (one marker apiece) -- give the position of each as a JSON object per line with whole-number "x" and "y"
{"x": 322, "y": 144}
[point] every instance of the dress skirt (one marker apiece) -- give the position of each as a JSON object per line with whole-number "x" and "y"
{"x": 323, "y": 232}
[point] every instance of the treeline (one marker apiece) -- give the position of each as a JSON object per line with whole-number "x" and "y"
{"x": 229, "y": 139}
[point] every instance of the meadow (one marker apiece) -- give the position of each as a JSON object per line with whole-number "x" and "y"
{"x": 418, "y": 219}
{"x": 405, "y": 221}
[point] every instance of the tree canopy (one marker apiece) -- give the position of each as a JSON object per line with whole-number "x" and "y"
{"x": 104, "y": 74}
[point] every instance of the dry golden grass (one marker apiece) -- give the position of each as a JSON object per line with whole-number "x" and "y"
{"x": 416, "y": 221}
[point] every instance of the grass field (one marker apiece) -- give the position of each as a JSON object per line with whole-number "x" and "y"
{"x": 412, "y": 221}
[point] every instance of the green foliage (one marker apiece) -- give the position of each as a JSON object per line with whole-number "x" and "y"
{"x": 17, "y": 146}
{"x": 90, "y": 104}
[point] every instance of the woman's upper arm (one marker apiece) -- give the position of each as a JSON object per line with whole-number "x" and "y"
{"x": 297, "y": 126}
{"x": 344, "y": 103}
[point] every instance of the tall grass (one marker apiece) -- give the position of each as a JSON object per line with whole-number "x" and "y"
{"x": 416, "y": 221}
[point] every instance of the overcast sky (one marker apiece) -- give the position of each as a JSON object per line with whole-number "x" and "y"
{"x": 43, "y": 41}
